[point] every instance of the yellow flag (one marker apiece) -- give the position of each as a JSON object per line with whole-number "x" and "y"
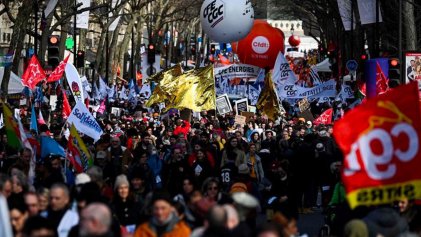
{"x": 193, "y": 90}
{"x": 196, "y": 90}
{"x": 268, "y": 101}
{"x": 166, "y": 85}
{"x": 78, "y": 150}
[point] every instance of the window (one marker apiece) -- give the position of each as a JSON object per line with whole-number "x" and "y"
{"x": 276, "y": 25}
{"x": 8, "y": 37}
{"x": 286, "y": 25}
{"x": 282, "y": 25}
{"x": 4, "y": 37}
{"x": 298, "y": 25}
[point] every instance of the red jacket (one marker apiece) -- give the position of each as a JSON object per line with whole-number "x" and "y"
{"x": 192, "y": 158}
{"x": 184, "y": 130}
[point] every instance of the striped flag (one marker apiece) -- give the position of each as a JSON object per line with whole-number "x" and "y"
{"x": 25, "y": 142}
{"x": 314, "y": 76}
{"x": 12, "y": 128}
{"x": 77, "y": 152}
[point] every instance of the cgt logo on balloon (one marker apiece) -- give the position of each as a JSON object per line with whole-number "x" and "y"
{"x": 381, "y": 143}
{"x": 214, "y": 12}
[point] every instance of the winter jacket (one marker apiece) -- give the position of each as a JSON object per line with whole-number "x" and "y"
{"x": 182, "y": 130}
{"x": 258, "y": 168}
{"x": 239, "y": 159}
{"x": 175, "y": 228}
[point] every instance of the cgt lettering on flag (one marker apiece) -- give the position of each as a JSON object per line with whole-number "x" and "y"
{"x": 382, "y": 148}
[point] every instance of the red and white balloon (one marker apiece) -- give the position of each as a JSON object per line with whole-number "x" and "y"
{"x": 261, "y": 46}
{"x": 294, "y": 40}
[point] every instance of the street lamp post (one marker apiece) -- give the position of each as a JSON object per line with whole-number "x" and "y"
{"x": 36, "y": 27}
{"x": 74, "y": 35}
{"x": 132, "y": 53}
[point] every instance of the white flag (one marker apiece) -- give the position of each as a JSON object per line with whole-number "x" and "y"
{"x": 367, "y": 10}
{"x": 345, "y": 12}
{"x": 82, "y": 19}
{"x": 282, "y": 73}
{"x": 116, "y": 20}
{"x": 50, "y": 7}
{"x": 74, "y": 81}
{"x": 84, "y": 121}
{"x": 26, "y": 144}
{"x": 345, "y": 93}
{"x": 1, "y": 121}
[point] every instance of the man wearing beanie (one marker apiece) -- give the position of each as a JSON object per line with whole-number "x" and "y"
{"x": 164, "y": 221}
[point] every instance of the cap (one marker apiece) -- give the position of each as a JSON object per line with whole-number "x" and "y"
{"x": 82, "y": 178}
{"x": 121, "y": 180}
{"x": 245, "y": 199}
{"x": 238, "y": 187}
{"x": 161, "y": 196}
{"x": 320, "y": 146}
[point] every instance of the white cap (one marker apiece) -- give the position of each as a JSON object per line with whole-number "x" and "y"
{"x": 245, "y": 199}
{"x": 82, "y": 178}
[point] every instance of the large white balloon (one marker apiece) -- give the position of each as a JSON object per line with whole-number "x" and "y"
{"x": 227, "y": 20}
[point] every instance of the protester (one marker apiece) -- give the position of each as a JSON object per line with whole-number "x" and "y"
{"x": 153, "y": 172}
{"x": 164, "y": 221}
{"x": 96, "y": 221}
{"x": 59, "y": 213}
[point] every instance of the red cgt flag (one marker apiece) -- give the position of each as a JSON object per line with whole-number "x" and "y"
{"x": 381, "y": 80}
{"x": 33, "y": 73}
{"x": 58, "y": 71}
{"x": 380, "y": 140}
{"x": 324, "y": 118}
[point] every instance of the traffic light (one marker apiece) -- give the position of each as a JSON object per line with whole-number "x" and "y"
{"x": 394, "y": 69}
{"x": 212, "y": 49}
{"x": 151, "y": 54}
{"x": 364, "y": 57}
{"x": 54, "y": 51}
{"x": 80, "y": 59}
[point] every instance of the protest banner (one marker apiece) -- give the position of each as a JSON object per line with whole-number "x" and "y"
{"x": 380, "y": 140}
{"x": 84, "y": 121}
{"x": 223, "y": 104}
{"x": 237, "y": 71}
{"x": 325, "y": 89}
{"x": 241, "y": 105}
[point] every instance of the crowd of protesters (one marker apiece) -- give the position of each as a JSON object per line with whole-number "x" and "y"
{"x": 159, "y": 175}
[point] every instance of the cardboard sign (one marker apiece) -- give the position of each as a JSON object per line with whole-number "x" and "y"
{"x": 307, "y": 115}
{"x": 223, "y": 105}
{"x": 239, "y": 119}
{"x": 241, "y": 106}
{"x": 249, "y": 116}
{"x": 303, "y": 105}
{"x": 53, "y": 102}
{"x": 116, "y": 111}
